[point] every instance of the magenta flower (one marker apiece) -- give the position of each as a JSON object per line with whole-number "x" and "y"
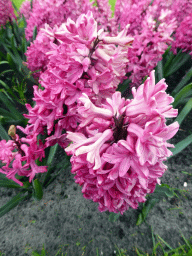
{"x": 6, "y": 12}
{"x": 6, "y": 149}
{"x": 78, "y": 60}
{"x": 19, "y": 155}
{"x": 152, "y": 24}
{"x": 119, "y": 149}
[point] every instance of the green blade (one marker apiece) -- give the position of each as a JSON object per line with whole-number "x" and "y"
{"x": 12, "y": 204}
{"x": 181, "y": 145}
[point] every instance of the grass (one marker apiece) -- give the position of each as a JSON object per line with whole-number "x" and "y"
{"x": 160, "y": 247}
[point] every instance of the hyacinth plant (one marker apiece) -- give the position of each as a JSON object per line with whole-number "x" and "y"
{"x": 116, "y": 140}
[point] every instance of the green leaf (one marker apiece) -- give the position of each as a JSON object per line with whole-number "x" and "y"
{"x": 189, "y": 253}
{"x": 113, "y": 216}
{"x": 34, "y": 33}
{"x": 11, "y": 62}
{"x": 167, "y": 52}
{"x": 38, "y": 192}
{"x": 4, "y": 62}
{"x": 177, "y": 65}
{"x": 12, "y": 203}
{"x": 11, "y": 107}
{"x": 186, "y": 91}
{"x": 52, "y": 153}
{"x": 162, "y": 191}
{"x": 148, "y": 205}
{"x": 9, "y": 184}
{"x": 183, "y": 81}
{"x": 35, "y": 254}
{"x": 185, "y": 111}
{"x": 159, "y": 70}
{"x": 169, "y": 58}
{"x": 181, "y": 145}
{"x": 176, "y": 62}
{"x": 165, "y": 242}
{"x": 123, "y": 86}
{"x": 3, "y": 134}
{"x": 51, "y": 156}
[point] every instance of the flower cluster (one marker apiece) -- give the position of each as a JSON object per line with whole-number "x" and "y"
{"x": 19, "y": 155}
{"x": 119, "y": 148}
{"x": 37, "y": 59}
{"x": 151, "y": 25}
{"x": 55, "y": 12}
{"x": 6, "y": 11}
{"x": 81, "y": 59}
{"x": 183, "y": 39}
{"x": 25, "y": 8}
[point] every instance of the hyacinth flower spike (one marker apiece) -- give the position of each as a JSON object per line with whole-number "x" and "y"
{"x": 120, "y": 146}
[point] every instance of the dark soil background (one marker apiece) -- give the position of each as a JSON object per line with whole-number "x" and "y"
{"x": 65, "y": 222}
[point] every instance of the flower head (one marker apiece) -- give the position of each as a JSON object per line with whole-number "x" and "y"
{"x": 6, "y": 11}
{"x": 119, "y": 149}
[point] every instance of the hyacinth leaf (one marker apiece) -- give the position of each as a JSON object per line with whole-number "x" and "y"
{"x": 50, "y": 158}
{"x": 179, "y": 63}
{"x": 185, "y": 111}
{"x": 175, "y": 62}
{"x": 169, "y": 58}
{"x": 9, "y": 184}
{"x": 123, "y": 86}
{"x": 12, "y": 203}
{"x": 159, "y": 71}
{"x": 11, "y": 62}
{"x": 37, "y": 192}
{"x": 11, "y": 107}
{"x": 148, "y": 205}
{"x": 3, "y": 133}
{"x": 167, "y": 52}
{"x": 8, "y": 116}
{"x": 113, "y": 216}
{"x": 34, "y": 33}
{"x": 162, "y": 191}
{"x": 183, "y": 82}
{"x": 181, "y": 145}
{"x": 186, "y": 91}
{"x": 52, "y": 153}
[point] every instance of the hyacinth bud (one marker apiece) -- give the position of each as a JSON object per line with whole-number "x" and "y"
{"x": 12, "y": 132}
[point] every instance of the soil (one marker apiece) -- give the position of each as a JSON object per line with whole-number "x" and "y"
{"x": 64, "y": 221}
